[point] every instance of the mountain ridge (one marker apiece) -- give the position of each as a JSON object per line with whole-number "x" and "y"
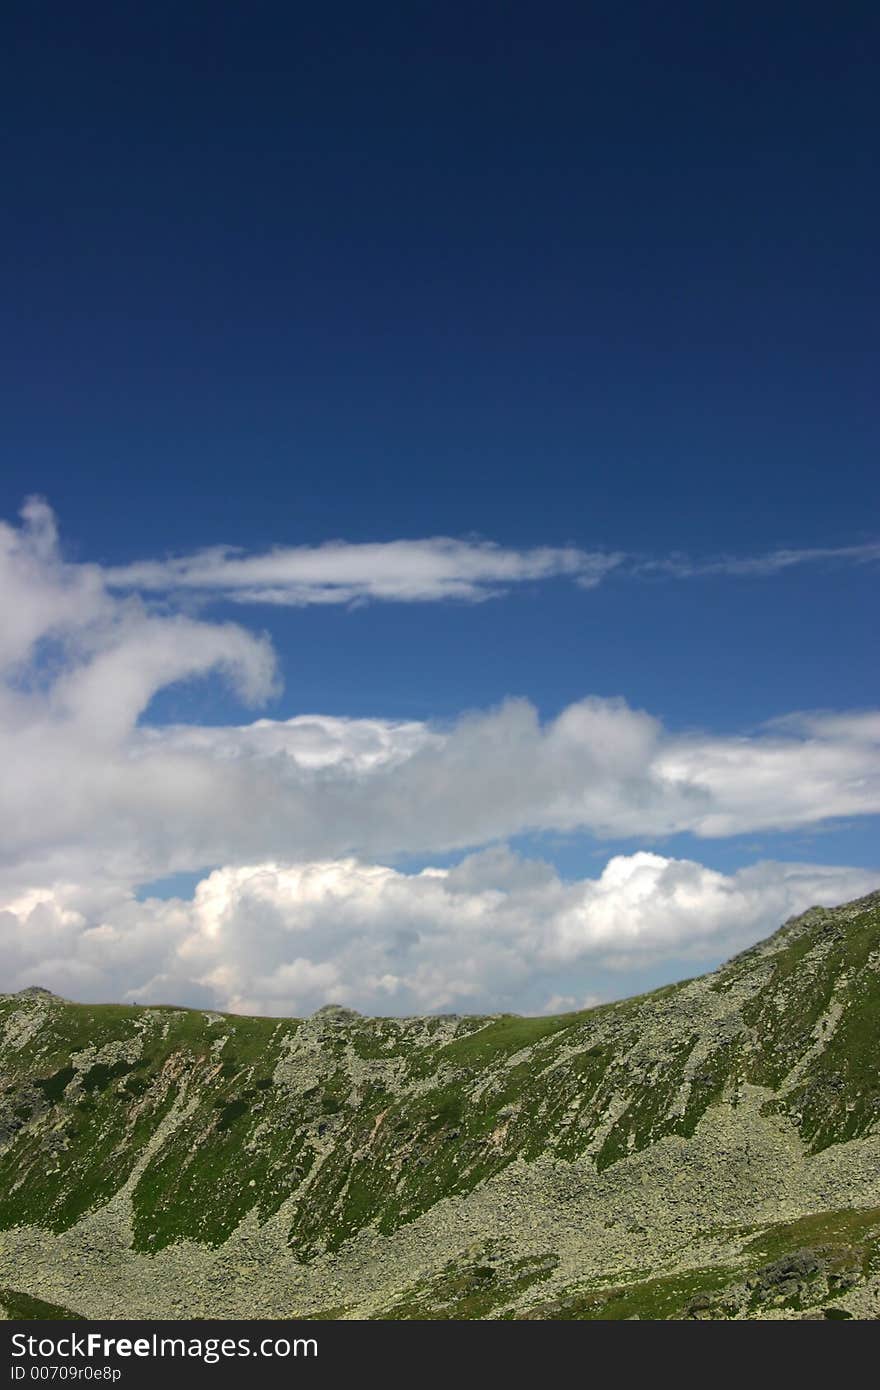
{"x": 350, "y": 1164}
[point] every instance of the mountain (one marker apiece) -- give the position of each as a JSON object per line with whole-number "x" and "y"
{"x": 711, "y": 1149}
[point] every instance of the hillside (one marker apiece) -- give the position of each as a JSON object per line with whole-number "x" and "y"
{"x": 710, "y": 1149}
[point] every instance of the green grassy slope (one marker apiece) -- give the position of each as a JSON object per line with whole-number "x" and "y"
{"x": 347, "y": 1122}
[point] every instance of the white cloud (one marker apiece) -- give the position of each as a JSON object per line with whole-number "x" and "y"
{"x": 858, "y": 726}
{"x": 109, "y": 656}
{"x": 310, "y": 741}
{"x": 85, "y": 783}
{"x": 144, "y": 802}
{"x": 430, "y": 570}
{"x": 494, "y": 932}
{"x": 94, "y": 801}
{"x": 437, "y": 568}
{"x": 40, "y": 596}
{"x": 402, "y": 571}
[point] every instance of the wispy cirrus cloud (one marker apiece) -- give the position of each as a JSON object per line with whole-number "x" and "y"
{"x": 42, "y": 593}
{"x": 769, "y": 563}
{"x": 400, "y": 571}
{"x": 431, "y": 570}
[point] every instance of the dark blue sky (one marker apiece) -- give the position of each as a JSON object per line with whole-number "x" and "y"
{"x": 595, "y": 271}
{"x": 598, "y": 273}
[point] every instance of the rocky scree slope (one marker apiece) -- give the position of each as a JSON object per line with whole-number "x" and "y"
{"x": 663, "y": 1156}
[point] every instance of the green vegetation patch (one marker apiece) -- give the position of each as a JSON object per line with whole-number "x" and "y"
{"x": 503, "y": 1037}
{"x": 54, "y": 1086}
{"x": 469, "y": 1290}
{"x": 672, "y": 1296}
{"x": 16, "y": 1306}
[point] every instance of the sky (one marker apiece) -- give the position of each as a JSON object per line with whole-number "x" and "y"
{"x": 439, "y": 538}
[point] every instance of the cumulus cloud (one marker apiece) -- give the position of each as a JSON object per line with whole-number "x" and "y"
{"x": 494, "y": 932}
{"x": 148, "y": 801}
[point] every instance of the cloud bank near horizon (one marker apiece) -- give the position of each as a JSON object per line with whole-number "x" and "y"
{"x": 496, "y": 929}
